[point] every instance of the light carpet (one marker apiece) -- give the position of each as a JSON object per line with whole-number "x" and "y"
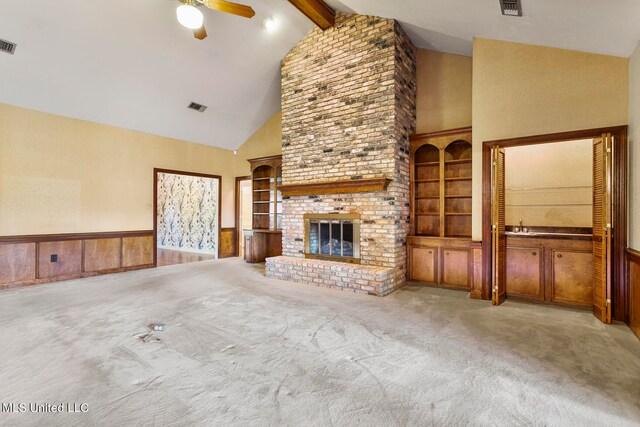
{"x": 240, "y": 349}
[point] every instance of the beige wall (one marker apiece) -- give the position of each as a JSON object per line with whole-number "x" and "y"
{"x": 634, "y": 148}
{"x": 443, "y": 91}
{"x": 521, "y": 90}
{"x": 550, "y": 184}
{"x": 61, "y": 175}
{"x": 267, "y": 141}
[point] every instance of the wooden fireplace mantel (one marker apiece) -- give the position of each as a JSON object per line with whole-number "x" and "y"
{"x": 336, "y": 187}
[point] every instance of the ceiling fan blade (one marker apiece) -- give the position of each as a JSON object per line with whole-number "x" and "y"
{"x": 200, "y": 33}
{"x": 229, "y": 7}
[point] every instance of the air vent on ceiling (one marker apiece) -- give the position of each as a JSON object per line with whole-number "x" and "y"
{"x": 511, "y": 7}
{"x": 197, "y": 107}
{"x": 7, "y": 47}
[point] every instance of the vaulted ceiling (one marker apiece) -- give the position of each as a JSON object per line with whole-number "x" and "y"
{"x": 128, "y": 63}
{"x": 610, "y": 27}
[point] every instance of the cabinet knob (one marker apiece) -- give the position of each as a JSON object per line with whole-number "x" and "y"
{"x": 430, "y": 252}
{"x": 559, "y": 255}
{"x": 534, "y": 253}
{"x": 446, "y": 253}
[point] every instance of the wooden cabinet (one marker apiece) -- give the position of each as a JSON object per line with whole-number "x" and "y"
{"x": 455, "y": 268}
{"x": 264, "y": 240}
{"x": 266, "y": 176}
{"x": 261, "y": 244}
{"x": 423, "y": 262}
{"x": 525, "y": 272}
{"x": 571, "y": 277}
{"x": 444, "y": 262}
{"x": 441, "y": 184}
{"x": 552, "y": 270}
{"x": 439, "y": 244}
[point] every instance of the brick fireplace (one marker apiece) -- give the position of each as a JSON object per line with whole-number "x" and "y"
{"x": 348, "y": 109}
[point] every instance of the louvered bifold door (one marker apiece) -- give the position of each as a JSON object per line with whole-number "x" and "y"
{"x": 498, "y": 240}
{"x": 602, "y": 226}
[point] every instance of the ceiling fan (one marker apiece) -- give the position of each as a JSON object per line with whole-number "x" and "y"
{"x": 190, "y": 17}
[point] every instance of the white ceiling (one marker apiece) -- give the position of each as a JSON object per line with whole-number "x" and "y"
{"x": 610, "y": 27}
{"x": 128, "y": 63}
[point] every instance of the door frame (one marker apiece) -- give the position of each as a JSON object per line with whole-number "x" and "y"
{"x": 239, "y": 233}
{"x": 620, "y": 290}
{"x": 156, "y": 171}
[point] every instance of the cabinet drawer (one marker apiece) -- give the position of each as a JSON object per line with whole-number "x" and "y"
{"x": 423, "y": 264}
{"x": 524, "y": 276}
{"x": 455, "y": 267}
{"x": 572, "y": 277}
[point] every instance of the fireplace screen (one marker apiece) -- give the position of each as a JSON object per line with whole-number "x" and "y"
{"x": 332, "y": 236}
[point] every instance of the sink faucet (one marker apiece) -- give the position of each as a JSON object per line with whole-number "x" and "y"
{"x": 522, "y": 228}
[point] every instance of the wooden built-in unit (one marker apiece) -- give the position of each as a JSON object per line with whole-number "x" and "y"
{"x": 265, "y": 238}
{"x": 550, "y": 269}
{"x": 28, "y": 260}
{"x": 634, "y": 288}
{"x": 439, "y": 245}
{"x": 617, "y": 280}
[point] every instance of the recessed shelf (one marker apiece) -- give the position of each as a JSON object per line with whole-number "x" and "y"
{"x": 427, "y": 180}
{"x": 428, "y": 214}
{"x": 457, "y": 214}
{"x": 260, "y": 191}
{"x": 428, "y": 198}
{"x": 458, "y": 178}
{"x": 457, "y": 161}
{"x": 427, "y": 164}
{"x": 457, "y": 197}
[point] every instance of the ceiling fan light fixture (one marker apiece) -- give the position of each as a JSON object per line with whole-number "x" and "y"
{"x": 270, "y": 24}
{"x": 189, "y": 16}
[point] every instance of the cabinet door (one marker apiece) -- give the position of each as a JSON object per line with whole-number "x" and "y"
{"x": 455, "y": 268}
{"x": 524, "y": 273}
{"x": 423, "y": 264}
{"x": 572, "y": 277}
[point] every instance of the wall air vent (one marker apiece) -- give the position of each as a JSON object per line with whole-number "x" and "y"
{"x": 7, "y": 47}
{"x": 511, "y": 7}
{"x": 197, "y": 107}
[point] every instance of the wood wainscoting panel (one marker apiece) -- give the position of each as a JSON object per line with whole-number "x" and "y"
{"x": 137, "y": 251}
{"x": 69, "y": 259}
{"x": 228, "y": 243}
{"x": 634, "y": 286}
{"x": 454, "y": 267}
{"x": 476, "y": 268}
{"x": 102, "y": 254}
{"x": 17, "y": 263}
{"x": 525, "y": 272}
{"x": 423, "y": 264}
{"x": 572, "y": 277}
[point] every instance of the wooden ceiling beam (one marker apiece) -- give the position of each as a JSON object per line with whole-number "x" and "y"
{"x": 317, "y": 11}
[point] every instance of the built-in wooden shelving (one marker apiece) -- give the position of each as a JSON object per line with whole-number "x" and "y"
{"x": 441, "y": 185}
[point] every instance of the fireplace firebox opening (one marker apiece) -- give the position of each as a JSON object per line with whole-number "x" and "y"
{"x": 332, "y": 237}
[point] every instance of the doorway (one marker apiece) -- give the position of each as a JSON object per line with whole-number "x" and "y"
{"x": 603, "y": 257}
{"x": 186, "y": 216}
{"x": 244, "y": 210}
